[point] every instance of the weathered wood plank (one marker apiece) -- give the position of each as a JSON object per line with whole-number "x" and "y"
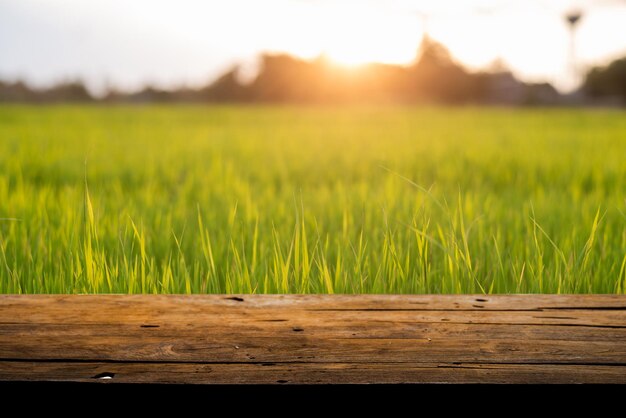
{"x": 393, "y": 302}
{"x": 314, "y": 339}
{"x": 304, "y": 373}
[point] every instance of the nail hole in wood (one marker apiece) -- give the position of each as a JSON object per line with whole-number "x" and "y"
{"x": 104, "y": 376}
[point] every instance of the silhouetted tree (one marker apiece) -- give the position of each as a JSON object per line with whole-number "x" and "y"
{"x": 15, "y": 92}
{"x": 436, "y": 77}
{"x": 72, "y": 91}
{"x": 609, "y": 81}
{"x": 226, "y": 88}
{"x": 283, "y": 78}
{"x": 151, "y": 95}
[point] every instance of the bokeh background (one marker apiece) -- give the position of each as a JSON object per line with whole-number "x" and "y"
{"x": 479, "y": 51}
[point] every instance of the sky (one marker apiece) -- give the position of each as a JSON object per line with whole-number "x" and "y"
{"x": 127, "y": 44}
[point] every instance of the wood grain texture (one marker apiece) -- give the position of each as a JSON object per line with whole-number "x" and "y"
{"x": 285, "y": 339}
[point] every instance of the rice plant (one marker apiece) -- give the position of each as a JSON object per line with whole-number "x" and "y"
{"x": 191, "y": 199}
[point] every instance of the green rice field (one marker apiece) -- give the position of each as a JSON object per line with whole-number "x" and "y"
{"x": 193, "y": 199}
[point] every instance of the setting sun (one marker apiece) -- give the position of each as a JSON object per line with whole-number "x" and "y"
{"x": 353, "y": 36}
{"x": 127, "y": 44}
{"x": 351, "y": 33}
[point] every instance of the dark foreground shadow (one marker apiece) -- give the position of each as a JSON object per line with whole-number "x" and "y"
{"x": 311, "y": 397}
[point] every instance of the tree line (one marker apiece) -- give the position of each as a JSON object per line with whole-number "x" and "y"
{"x": 434, "y": 78}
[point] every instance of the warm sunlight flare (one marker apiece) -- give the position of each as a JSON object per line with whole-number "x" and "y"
{"x": 533, "y": 41}
{"x": 353, "y": 36}
{"x": 165, "y": 43}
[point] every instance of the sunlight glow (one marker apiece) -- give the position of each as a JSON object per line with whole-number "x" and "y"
{"x": 193, "y": 41}
{"x": 351, "y": 36}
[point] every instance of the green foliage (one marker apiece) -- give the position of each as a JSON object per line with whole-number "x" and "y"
{"x": 311, "y": 200}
